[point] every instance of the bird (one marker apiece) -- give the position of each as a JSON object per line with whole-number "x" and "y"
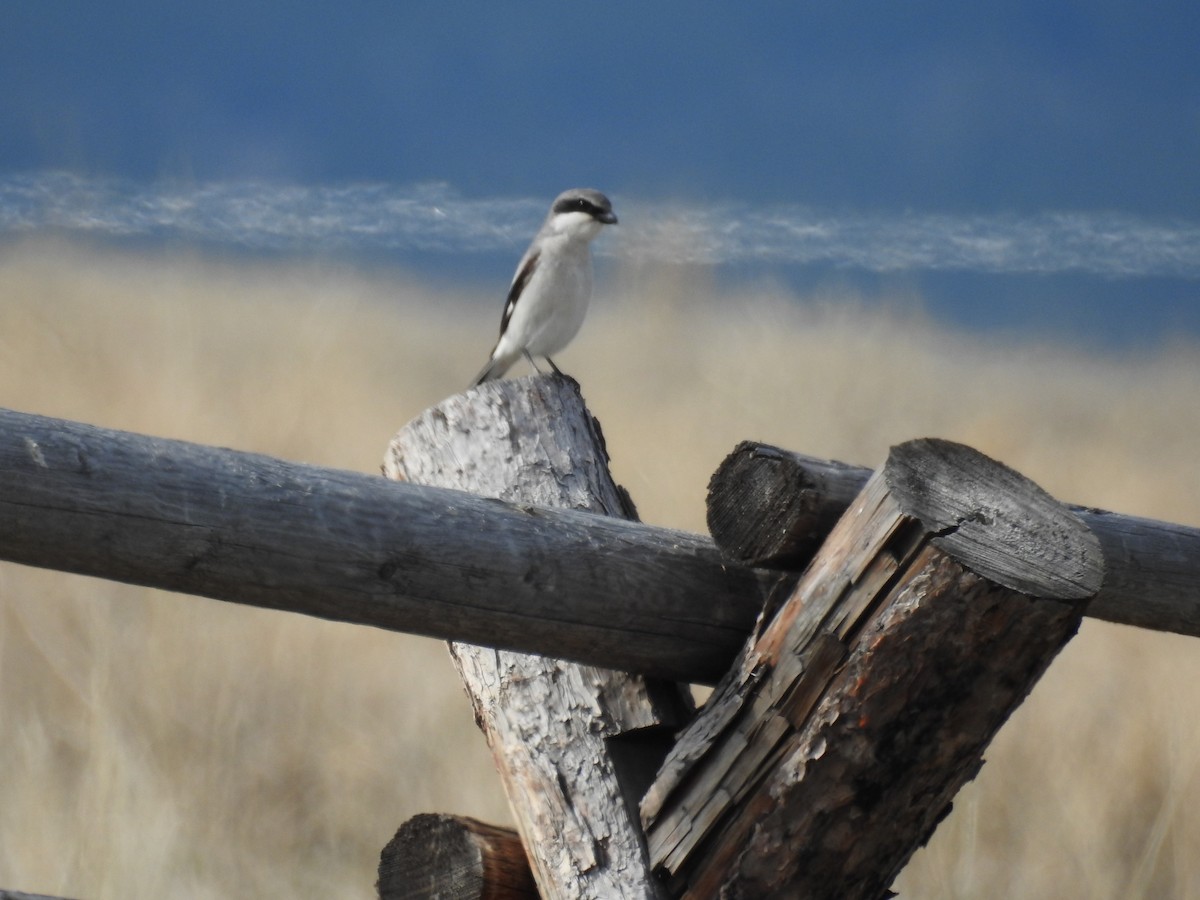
{"x": 549, "y": 294}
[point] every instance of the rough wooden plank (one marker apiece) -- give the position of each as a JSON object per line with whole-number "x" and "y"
{"x": 768, "y": 506}
{"x": 438, "y": 857}
{"x": 835, "y": 745}
{"x": 558, "y": 731}
{"x": 357, "y": 548}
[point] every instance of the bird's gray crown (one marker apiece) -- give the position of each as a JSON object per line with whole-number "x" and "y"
{"x": 587, "y": 201}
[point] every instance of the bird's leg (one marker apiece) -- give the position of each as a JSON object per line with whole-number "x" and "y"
{"x": 557, "y": 370}
{"x": 529, "y": 357}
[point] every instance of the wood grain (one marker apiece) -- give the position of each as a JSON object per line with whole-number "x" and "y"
{"x": 440, "y": 857}
{"x": 358, "y": 548}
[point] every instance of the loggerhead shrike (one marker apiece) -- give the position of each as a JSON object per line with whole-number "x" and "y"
{"x": 549, "y": 294}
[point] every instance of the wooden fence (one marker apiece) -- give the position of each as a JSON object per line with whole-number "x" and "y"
{"x": 870, "y": 632}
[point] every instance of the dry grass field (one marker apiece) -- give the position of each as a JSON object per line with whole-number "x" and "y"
{"x": 157, "y": 745}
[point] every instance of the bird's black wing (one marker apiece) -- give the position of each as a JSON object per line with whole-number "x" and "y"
{"x": 524, "y": 273}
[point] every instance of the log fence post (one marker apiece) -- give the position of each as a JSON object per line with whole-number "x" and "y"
{"x": 575, "y": 745}
{"x": 835, "y": 745}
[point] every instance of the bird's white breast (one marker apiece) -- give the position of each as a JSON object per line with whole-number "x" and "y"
{"x": 554, "y": 303}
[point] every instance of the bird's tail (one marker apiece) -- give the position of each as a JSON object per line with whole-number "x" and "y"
{"x": 496, "y": 366}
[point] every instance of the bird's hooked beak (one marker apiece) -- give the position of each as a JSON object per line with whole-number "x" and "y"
{"x": 607, "y": 218}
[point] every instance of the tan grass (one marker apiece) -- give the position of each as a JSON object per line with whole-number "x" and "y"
{"x": 157, "y": 745}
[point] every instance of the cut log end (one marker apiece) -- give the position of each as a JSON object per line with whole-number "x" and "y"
{"x": 765, "y": 510}
{"x": 995, "y": 521}
{"x": 454, "y": 858}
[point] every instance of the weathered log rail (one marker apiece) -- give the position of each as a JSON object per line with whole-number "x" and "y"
{"x": 248, "y": 528}
{"x": 357, "y": 548}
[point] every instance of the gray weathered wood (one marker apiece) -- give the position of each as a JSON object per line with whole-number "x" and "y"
{"x": 835, "y": 745}
{"x": 358, "y": 548}
{"x": 768, "y": 506}
{"x": 555, "y": 727}
{"x": 775, "y": 507}
{"x": 437, "y": 857}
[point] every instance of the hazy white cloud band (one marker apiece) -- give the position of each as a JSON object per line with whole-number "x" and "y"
{"x": 384, "y": 217}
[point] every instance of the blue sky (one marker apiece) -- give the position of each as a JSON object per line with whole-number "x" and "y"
{"x": 1019, "y": 162}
